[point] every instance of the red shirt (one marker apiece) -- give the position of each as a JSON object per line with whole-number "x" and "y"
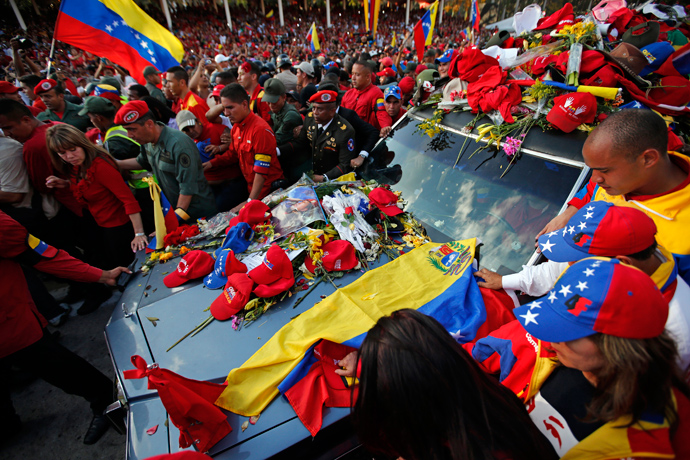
{"x": 39, "y": 167}
{"x": 369, "y": 106}
{"x": 212, "y": 132}
{"x": 38, "y": 102}
{"x": 20, "y": 322}
{"x": 401, "y": 114}
{"x": 254, "y": 146}
{"x": 196, "y": 105}
{"x": 106, "y": 195}
{"x": 260, "y": 107}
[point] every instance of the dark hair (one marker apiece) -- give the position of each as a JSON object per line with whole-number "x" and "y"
{"x": 632, "y": 131}
{"x": 30, "y": 80}
{"x": 140, "y": 90}
{"x": 235, "y": 92}
{"x": 226, "y": 77}
{"x": 179, "y": 73}
{"x": 645, "y": 253}
{"x": 255, "y": 68}
{"x": 364, "y": 64}
{"x": 422, "y": 396}
{"x": 14, "y": 109}
{"x": 160, "y": 111}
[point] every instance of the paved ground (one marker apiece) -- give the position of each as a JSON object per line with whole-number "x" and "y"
{"x": 55, "y": 422}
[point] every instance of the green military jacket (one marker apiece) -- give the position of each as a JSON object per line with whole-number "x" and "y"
{"x": 284, "y": 122}
{"x": 157, "y": 93}
{"x": 175, "y": 162}
{"x": 70, "y": 116}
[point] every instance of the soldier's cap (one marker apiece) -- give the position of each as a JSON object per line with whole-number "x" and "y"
{"x": 44, "y": 86}
{"x": 150, "y": 70}
{"x": 184, "y": 119}
{"x": 131, "y": 112}
{"x": 330, "y": 86}
{"x": 98, "y": 105}
{"x": 273, "y": 89}
{"x": 324, "y": 97}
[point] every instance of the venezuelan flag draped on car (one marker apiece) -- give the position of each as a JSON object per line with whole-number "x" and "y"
{"x": 120, "y": 31}
{"x": 435, "y": 279}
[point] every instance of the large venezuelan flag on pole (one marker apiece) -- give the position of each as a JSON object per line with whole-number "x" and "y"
{"x": 120, "y": 31}
{"x": 434, "y": 279}
{"x": 474, "y": 16}
{"x": 313, "y": 38}
{"x": 371, "y": 15}
{"x": 424, "y": 30}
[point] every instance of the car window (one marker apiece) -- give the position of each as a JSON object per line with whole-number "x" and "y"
{"x": 471, "y": 199}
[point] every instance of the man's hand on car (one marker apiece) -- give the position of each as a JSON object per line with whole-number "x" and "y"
{"x": 492, "y": 280}
{"x": 556, "y": 223}
{"x": 109, "y": 277}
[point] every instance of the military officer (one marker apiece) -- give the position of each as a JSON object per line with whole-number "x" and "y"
{"x": 329, "y": 138}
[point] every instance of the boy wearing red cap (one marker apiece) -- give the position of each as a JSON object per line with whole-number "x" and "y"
{"x": 53, "y": 96}
{"x": 253, "y": 144}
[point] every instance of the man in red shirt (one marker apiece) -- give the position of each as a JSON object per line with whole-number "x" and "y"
{"x": 177, "y": 81}
{"x": 248, "y": 76}
{"x": 226, "y": 181}
{"x": 393, "y": 103}
{"x": 253, "y": 144}
{"x": 365, "y": 98}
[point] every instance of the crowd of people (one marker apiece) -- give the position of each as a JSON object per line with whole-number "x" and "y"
{"x": 253, "y": 110}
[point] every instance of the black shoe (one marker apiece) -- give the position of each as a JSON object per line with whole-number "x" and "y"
{"x": 93, "y": 301}
{"x": 99, "y": 425}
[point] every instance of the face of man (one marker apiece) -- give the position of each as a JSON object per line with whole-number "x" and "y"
{"x": 143, "y": 134}
{"x": 611, "y": 170}
{"x": 276, "y": 107}
{"x": 54, "y": 101}
{"x": 173, "y": 84}
{"x": 14, "y": 96}
{"x": 244, "y": 78}
{"x": 108, "y": 73}
{"x": 154, "y": 79}
{"x": 361, "y": 77}
{"x": 235, "y": 111}
{"x": 193, "y": 131}
{"x": 19, "y": 130}
{"x": 300, "y": 77}
{"x": 98, "y": 121}
{"x": 167, "y": 93}
{"x": 203, "y": 81}
{"x": 323, "y": 113}
{"x": 293, "y": 102}
{"x": 392, "y": 106}
{"x": 29, "y": 91}
{"x": 133, "y": 95}
{"x": 443, "y": 69}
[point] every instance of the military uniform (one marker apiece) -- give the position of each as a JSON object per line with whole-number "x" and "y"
{"x": 70, "y": 116}
{"x": 156, "y": 92}
{"x": 175, "y": 162}
{"x": 285, "y": 122}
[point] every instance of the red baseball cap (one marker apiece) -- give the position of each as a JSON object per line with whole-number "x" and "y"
{"x": 338, "y": 255}
{"x": 605, "y": 77}
{"x": 560, "y": 18}
{"x": 7, "y": 88}
{"x": 386, "y": 62}
{"x": 420, "y": 68}
{"x": 386, "y": 201}
{"x": 387, "y": 72}
{"x": 217, "y": 89}
{"x": 323, "y": 97}
{"x": 274, "y": 275}
{"x": 45, "y": 86}
{"x": 234, "y": 297}
{"x": 571, "y": 110}
{"x": 406, "y": 85}
{"x": 193, "y": 265}
{"x": 672, "y": 91}
{"x": 597, "y": 295}
{"x": 254, "y": 212}
{"x": 131, "y": 112}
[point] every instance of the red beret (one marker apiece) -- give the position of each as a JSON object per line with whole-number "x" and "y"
{"x": 131, "y": 112}
{"x": 323, "y": 97}
{"x": 44, "y": 86}
{"x": 406, "y": 84}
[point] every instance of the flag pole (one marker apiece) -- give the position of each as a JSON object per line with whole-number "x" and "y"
{"x": 166, "y": 12}
{"x": 227, "y": 14}
{"x": 407, "y": 14}
{"x": 280, "y": 12}
{"x": 50, "y": 57}
{"x": 20, "y": 19}
{"x": 328, "y": 13}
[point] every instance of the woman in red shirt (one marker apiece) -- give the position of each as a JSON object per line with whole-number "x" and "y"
{"x": 96, "y": 183}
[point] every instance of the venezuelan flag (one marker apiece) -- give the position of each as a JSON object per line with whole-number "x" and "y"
{"x": 371, "y": 15}
{"x": 269, "y": 15}
{"x": 120, "y": 31}
{"x": 424, "y": 30}
{"x": 313, "y": 38}
{"x": 435, "y": 279}
{"x": 474, "y": 16}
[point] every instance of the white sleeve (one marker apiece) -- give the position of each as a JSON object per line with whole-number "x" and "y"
{"x": 536, "y": 280}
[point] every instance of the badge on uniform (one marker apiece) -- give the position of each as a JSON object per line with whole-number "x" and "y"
{"x": 351, "y": 145}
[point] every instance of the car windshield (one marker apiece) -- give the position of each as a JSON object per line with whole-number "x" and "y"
{"x": 470, "y": 198}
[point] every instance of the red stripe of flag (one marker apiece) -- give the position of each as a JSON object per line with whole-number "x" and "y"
{"x": 419, "y": 40}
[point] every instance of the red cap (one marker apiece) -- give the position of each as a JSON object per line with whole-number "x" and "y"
{"x": 420, "y": 68}
{"x": 246, "y": 67}
{"x": 7, "y": 88}
{"x": 387, "y": 72}
{"x": 562, "y": 17}
{"x": 254, "y": 212}
{"x": 338, "y": 255}
{"x": 193, "y": 265}
{"x": 672, "y": 91}
{"x": 274, "y": 275}
{"x": 234, "y": 297}
{"x": 571, "y": 110}
{"x": 267, "y": 54}
{"x": 406, "y": 85}
{"x": 44, "y": 86}
{"x": 386, "y": 201}
{"x": 605, "y": 77}
{"x": 323, "y": 97}
{"x": 131, "y": 112}
{"x": 217, "y": 89}
{"x": 386, "y": 62}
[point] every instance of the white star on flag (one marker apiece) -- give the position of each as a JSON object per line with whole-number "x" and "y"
{"x": 589, "y": 215}
{"x": 136, "y": 36}
{"x": 582, "y": 225}
{"x": 547, "y": 246}
{"x": 588, "y": 272}
{"x": 115, "y": 24}
{"x": 552, "y": 296}
{"x": 571, "y": 230}
{"x": 153, "y": 59}
{"x": 108, "y": 28}
{"x": 590, "y": 208}
{"x": 123, "y": 23}
{"x": 144, "y": 44}
{"x": 151, "y": 52}
{"x": 535, "y": 304}
{"x": 582, "y": 285}
{"x": 551, "y": 234}
{"x": 565, "y": 290}
{"x": 529, "y": 317}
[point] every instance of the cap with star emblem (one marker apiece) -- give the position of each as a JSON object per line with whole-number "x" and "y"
{"x": 599, "y": 229}
{"x": 597, "y": 295}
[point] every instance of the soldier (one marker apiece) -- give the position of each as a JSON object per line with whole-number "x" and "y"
{"x": 153, "y": 79}
{"x": 285, "y": 117}
{"x": 329, "y": 137}
{"x": 53, "y": 96}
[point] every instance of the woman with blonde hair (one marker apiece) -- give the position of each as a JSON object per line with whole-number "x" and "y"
{"x": 97, "y": 184}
